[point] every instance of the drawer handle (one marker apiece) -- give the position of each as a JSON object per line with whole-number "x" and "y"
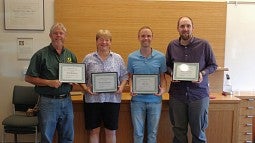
{"x": 250, "y": 116}
{"x": 250, "y": 107}
{"x": 248, "y": 133}
{"x": 248, "y": 124}
{"x": 250, "y": 99}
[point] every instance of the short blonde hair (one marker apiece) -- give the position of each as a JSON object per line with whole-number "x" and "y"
{"x": 144, "y": 27}
{"x": 104, "y": 34}
{"x": 57, "y": 25}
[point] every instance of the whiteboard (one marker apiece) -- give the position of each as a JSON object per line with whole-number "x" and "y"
{"x": 240, "y": 46}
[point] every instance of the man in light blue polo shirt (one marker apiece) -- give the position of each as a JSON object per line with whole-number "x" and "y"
{"x": 146, "y": 108}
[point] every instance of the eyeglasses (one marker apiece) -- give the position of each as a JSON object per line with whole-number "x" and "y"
{"x": 103, "y": 40}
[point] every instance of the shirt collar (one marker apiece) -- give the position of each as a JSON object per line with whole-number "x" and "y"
{"x": 54, "y": 50}
{"x": 96, "y": 53}
{"x": 152, "y": 53}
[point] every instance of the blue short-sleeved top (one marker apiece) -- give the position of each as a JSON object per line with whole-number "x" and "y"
{"x": 154, "y": 64}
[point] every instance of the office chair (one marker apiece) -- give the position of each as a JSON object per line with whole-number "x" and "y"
{"x": 24, "y": 97}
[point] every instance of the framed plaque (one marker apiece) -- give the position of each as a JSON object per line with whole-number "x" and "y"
{"x": 186, "y": 71}
{"x": 24, "y": 15}
{"x": 145, "y": 83}
{"x": 72, "y": 72}
{"x": 104, "y": 82}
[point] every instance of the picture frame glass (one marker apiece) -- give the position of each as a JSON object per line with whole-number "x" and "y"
{"x": 72, "y": 72}
{"x": 24, "y": 15}
{"x": 104, "y": 82}
{"x": 185, "y": 71}
{"x": 145, "y": 83}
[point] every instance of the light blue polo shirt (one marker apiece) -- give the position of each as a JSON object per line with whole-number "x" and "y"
{"x": 154, "y": 64}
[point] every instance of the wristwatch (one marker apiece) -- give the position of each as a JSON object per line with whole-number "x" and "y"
{"x": 203, "y": 73}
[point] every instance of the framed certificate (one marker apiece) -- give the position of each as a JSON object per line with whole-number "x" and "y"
{"x": 186, "y": 71}
{"x": 72, "y": 72}
{"x": 104, "y": 82}
{"x": 24, "y": 15}
{"x": 145, "y": 83}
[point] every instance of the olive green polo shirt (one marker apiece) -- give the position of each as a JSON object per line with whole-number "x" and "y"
{"x": 45, "y": 64}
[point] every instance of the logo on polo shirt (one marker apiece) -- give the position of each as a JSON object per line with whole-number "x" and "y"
{"x": 69, "y": 60}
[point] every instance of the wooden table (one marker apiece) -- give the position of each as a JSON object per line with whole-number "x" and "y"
{"x": 223, "y": 120}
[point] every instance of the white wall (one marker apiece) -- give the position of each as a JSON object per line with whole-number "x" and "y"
{"x": 240, "y": 47}
{"x": 10, "y": 66}
{"x": 11, "y": 69}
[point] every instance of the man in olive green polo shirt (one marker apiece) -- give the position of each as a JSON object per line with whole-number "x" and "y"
{"x": 55, "y": 104}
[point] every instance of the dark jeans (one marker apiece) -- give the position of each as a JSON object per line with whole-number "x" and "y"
{"x": 195, "y": 114}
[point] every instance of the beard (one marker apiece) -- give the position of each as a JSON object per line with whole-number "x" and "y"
{"x": 186, "y": 36}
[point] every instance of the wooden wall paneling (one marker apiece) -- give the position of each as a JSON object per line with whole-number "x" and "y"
{"x": 123, "y": 18}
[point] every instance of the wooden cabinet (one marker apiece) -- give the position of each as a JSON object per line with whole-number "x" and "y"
{"x": 246, "y": 115}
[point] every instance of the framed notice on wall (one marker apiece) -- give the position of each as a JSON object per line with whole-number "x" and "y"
{"x": 25, "y": 48}
{"x": 24, "y": 15}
